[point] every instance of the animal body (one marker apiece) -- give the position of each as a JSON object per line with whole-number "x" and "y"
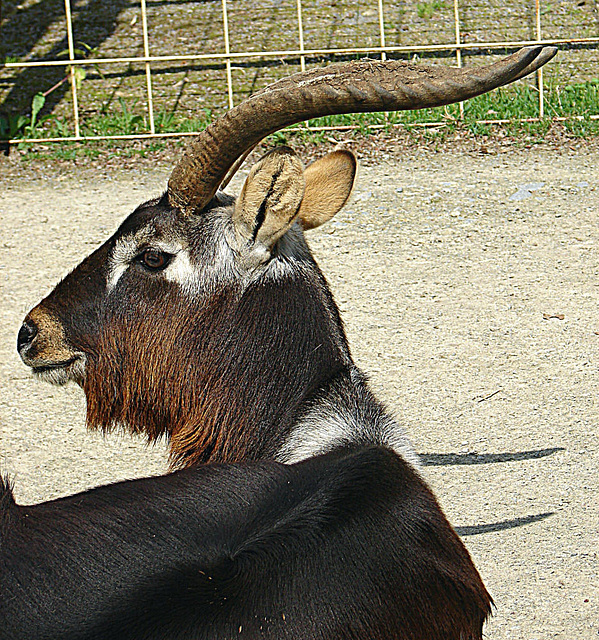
{"x": 205, "y": 319}
{"x": 350, "y": 544}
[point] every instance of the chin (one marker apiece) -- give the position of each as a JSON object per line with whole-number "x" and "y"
{"x": 59, "y": 375}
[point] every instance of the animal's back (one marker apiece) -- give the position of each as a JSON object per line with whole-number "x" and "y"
{"x": 347, "y": 545}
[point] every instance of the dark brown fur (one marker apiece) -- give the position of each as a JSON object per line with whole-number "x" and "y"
{"x": 347, "y": 546}
{"x": 184, "y": 372}
{"x": 230, "y": 370}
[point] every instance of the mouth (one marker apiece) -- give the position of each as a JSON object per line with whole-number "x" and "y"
{"x": 60, "y": 373}
{"x": 55, "y": 366}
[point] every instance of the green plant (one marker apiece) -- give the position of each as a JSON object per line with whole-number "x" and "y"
{"x": 15, "y": 126}
{"x": 128, "y": 121}
{"x": 58, "y": 127}
{"x": 279, "y": 138}
{"x": 39, "y": 99}
{"x": 12, "y": 126}
{"x": 426, "y": 10}
{"x": 164, "y": 122}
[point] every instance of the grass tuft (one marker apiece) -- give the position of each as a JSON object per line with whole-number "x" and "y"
{"x": 514, "y": 104}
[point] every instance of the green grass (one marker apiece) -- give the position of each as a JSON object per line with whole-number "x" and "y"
{"x": 426, "y": 10}
{"x": 513, "y": 104}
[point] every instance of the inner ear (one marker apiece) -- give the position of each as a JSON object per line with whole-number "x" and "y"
{"x": 270, "y": 198}
{"x": 329, "y": 183}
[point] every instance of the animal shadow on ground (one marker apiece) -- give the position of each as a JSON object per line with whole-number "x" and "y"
{"x": 447, "y": 459}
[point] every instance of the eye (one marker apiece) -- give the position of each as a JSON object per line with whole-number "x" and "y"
{"x": 154, "y": 260}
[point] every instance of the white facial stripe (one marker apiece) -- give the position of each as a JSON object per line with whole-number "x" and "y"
{"x": 213, "y": 270}
{"x": 125, "y": 249}
{"x": 114, "y": 275}
{"x": 181, "y": 271}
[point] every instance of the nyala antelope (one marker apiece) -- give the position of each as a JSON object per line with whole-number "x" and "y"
{"x": 205, "y": 319}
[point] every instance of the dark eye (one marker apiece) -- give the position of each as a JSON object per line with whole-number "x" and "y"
{"x": 154, "y": 260}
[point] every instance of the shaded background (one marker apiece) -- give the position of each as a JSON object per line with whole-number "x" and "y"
{"x": 36, "y": 30}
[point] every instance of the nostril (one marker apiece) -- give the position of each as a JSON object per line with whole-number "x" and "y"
{"x": 27, "y": 333}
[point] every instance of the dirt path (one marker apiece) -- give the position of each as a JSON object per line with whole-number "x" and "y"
{"x": 444, "y": 267}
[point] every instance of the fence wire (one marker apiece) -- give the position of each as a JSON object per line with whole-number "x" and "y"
{"x": 227, "y": 58}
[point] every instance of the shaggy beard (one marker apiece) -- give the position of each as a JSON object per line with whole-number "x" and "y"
{"x": 223, "y": 385}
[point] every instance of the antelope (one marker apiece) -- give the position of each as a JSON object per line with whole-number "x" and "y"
{"x": 206, "y": 320}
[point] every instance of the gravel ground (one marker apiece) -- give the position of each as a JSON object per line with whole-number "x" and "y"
{"x": 469, "y": 284}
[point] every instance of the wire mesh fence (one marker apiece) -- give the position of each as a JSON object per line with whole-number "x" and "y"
{"x": 145, "y": 62}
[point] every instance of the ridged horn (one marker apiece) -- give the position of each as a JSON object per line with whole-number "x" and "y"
{"x": 347, "y": 87}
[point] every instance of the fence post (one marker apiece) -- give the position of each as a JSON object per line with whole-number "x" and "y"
{"x": 300, "y": 27}
{"x": 458, "y": 42}
{"x": 144, "y": 21}
{"x": 67, "y": 9}
{"x": 227, "y": 51}
{"x": 382, "y": 29}
{"x": 540, "y": 71}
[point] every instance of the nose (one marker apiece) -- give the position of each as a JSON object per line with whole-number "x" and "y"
{"x": 27, "y": 334}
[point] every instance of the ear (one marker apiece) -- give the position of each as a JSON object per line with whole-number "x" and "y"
{"x": 329, "y": 183}
{"x": 270, "y": 198}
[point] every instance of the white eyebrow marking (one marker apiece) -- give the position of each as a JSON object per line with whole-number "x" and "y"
{"x": 125, "y": 249}
{"x": 180, "y": 270}
{"x": 114, "y": 275}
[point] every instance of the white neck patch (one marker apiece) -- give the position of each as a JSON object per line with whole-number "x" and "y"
{"x": 326, "y": 426}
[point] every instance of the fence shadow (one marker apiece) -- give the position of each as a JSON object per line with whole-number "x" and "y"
{"x": 27, "y": 25}
{"x": 93, "y": 23}
{"x": 448, "y": 459}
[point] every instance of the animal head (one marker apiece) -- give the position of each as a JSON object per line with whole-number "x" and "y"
{"x": 164, "y": 307}
{"x": 204, "y": 317}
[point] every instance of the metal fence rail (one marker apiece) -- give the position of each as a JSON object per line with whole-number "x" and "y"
{"x": 456, "y": 48}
